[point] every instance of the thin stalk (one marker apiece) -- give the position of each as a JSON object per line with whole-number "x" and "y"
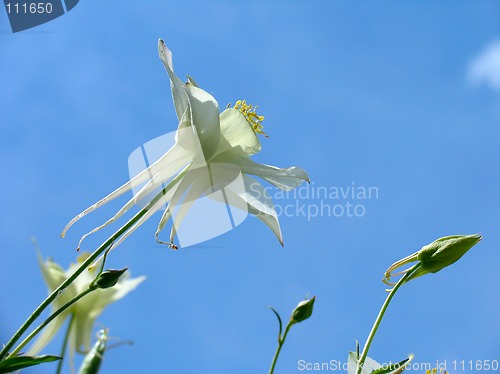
{"x": 50, "y": 319}
{"x": 281, "y": 341}
{"x": 5, "y": 351}
{"x": 65, "y": 344}
{"x": 374, "y": 329}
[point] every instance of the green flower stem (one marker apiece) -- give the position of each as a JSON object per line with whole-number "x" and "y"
{"x": 98, "y": 252}
{"x": 50, "y": 319}
{"x": 65, "y": 344}
{"x": 281, "y": 341}
{"x": 387, "y": 301}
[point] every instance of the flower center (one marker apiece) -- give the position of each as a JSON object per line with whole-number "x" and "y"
{"x": 82, "y": 257}
{"x": 249, "y": 111}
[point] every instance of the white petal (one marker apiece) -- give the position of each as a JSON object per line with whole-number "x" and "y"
{"x": 205, "y": 118}
{"x": 186, "y": 137}
{"x": 194, "y": 184}
{"x": 352, "y": 363}
{"x": 170, "y": 163}
{"x": 93, "y": 304}
{"x": 126, "y": 286}
{"x": 369, "y": 365}
{"x": 258, "y": 204}
{"x": 207, "y": 181}
{"x": 71, "y": 349}
{"x": 178, "y": 93}
{"x": 82, "y": 331}
{"x": 271, "y": 220}
{"x": 47, "y": 334}
{"x": 237, "y": 134}
{"x": 52, "y": 273}
{"x": 286, "y": 179}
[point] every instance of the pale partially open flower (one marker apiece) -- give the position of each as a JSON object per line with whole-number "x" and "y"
{"x": 84, "y": 312}
{"x": 212, "y": 150}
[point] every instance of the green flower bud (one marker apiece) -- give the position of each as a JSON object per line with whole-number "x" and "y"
{"x": 436, "y": 256}
{"x": 303, "y": 311}
{"x": 445, "y": 251}
{"x": 108, "y": 278}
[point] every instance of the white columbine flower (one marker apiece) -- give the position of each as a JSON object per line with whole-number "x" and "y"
{"x": 211, "y": 151}
{"x": 85, "y": 311}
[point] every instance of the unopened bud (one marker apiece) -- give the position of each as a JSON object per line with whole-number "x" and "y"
{"x": 437, "y": 255}
{"x": 108, "y": 278}
{"x": 303, "y": 311}
{"x": 446, "y": 251}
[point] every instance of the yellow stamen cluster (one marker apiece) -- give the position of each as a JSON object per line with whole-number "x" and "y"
{"x": 434, "y": 371}
{"x": 82, "y": 257}
{"x": 249, "y": 111}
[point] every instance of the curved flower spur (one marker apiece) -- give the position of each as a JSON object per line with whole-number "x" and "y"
{"x": 212, "y": 150}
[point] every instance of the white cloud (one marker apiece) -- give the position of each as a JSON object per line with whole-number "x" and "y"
{"x": 485, "y": 68}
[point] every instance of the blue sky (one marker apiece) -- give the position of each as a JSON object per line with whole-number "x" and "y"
{"x": 401, "y": 96}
